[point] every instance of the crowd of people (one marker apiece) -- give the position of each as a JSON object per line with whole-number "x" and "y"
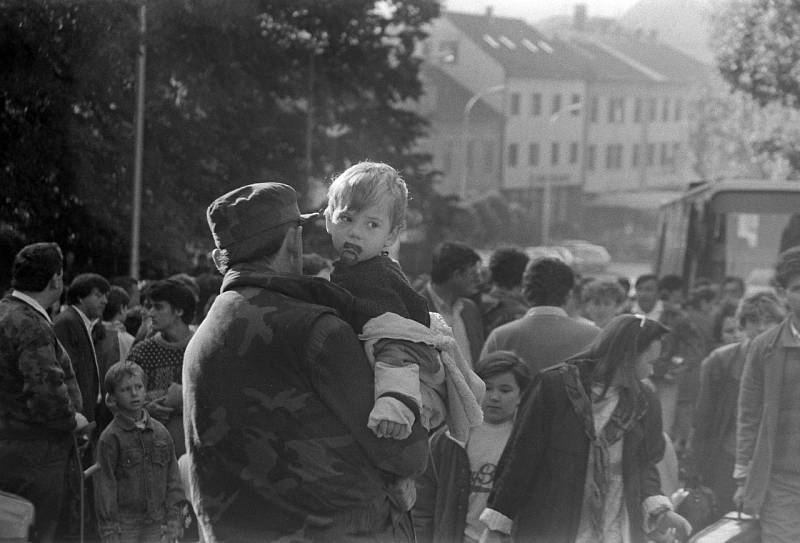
{"x": 290, "y": 398}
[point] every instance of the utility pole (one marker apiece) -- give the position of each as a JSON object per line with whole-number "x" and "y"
{"x": 136, "y": 213}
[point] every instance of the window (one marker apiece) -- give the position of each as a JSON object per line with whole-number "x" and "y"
{"x": 573, "y": 152}
{"x": 664, "y": 161}
{"x": 556, "y": 104}
{"x": 488, "y": 156}
{"x": 678, "y": 109}
{"x": 575, "y": 108}
{"x": 536, "y": 104}
{"x": 613, "y": 157}
{"x": 591, "y": 153}
{"x": 513, "y": 151}
{"x": 653, "y": 109}
{"x": 651, "y": 154}
{"x": 554, "y": 153}
{"x": 635, "y": 155}
{"x": 665, "y": 110}
{"x": 616, "y": 110}
{"x": 514, "y": 103}
{"x": 637, "y": 110}
{"x": 448, "y": 52}
{"x": 593, "y": 110}
{"x": 533, "y": 154}
{"x": 676, "y": 151}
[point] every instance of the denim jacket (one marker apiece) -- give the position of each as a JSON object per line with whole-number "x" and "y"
{"x": 138, "y": 481}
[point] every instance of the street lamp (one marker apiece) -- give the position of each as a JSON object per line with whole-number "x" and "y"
{"x": 547, "y": 193}
{"x": 465, "y": 130}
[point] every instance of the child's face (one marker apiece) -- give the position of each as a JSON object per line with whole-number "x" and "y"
{"x": 129, "y": 396}
{"x": 360, "y": 235}
{"x": 501, "y": 399}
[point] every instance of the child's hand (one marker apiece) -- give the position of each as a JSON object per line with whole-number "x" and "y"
{"x": 392, "y": 430}
{"x": 159, "y": 411}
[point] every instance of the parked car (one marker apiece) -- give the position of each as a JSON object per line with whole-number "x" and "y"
{"x": 551, "y": 251}
{"x": 588, "y": 257}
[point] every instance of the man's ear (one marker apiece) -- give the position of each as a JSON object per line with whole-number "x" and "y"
{"x": 216, "y": 256}
{"x": 289, "y": 258}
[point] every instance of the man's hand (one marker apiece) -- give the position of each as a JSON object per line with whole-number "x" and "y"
{"x": 392, "y": 430}
{"x": 159, "y": 411}
{"x": 81, "y": 423}
{"x": 670, "y": 526}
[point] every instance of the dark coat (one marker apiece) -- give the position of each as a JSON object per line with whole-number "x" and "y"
{"x": 73, "y": 335}
{"x": 473, "y": 323}
{"x": 542, "y": 471}
{"x": 440, "y": 512}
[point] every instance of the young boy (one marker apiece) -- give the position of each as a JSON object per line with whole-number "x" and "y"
{"x": 365, "y": 213}
{"x": 137, "y": 489}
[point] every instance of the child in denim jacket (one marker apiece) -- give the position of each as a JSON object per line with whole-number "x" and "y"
{"x": 137, "y": 489}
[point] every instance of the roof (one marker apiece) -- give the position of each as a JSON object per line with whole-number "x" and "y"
{"x": 626, "y": 58}
{"x": 452, "y": 96}
{"x": 644, "y": 200}
{"x": 745, "y": 196}
{"x": 519, "y": 48}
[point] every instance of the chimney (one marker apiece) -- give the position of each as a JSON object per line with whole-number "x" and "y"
{"x": 579, "y": 19}
{"x": 489, "y": 12}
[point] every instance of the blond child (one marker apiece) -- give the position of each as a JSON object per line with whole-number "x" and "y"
{"x": 365, "y": 214}
{"x": 137, "y": 488}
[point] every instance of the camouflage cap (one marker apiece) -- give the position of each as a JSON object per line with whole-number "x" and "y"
{"x": 254, "y": 217}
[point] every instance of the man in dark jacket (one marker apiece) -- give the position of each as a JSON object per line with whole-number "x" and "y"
{"x": 277, "y": 394}
{"x": 39, "y": 398}
{"x": 87, "y": 298}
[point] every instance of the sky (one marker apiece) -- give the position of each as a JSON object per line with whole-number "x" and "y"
{"x": 535, "y": 10}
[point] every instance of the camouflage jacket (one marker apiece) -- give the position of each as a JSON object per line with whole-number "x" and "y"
{"x": 277, "y": 394}
{"x": 38, "y": 391}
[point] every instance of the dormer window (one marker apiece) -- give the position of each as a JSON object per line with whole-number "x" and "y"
{"x": 508, "y": 43}
{"x": 544, "y": 46}
{"x": 491, "y": 41}
{"x": 530, "y": 46}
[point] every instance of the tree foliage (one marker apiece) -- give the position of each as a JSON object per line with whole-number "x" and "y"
{"x": 237, "y": 91}
{"x": 758, "y": 49}
{"x": 757, "y": 45}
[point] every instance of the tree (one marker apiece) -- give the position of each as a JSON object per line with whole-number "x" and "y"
{"x": 758, "y": 55}
{"x": 238, "y": 91}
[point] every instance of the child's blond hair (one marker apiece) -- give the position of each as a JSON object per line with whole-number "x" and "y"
{"x": 363, "y": 185}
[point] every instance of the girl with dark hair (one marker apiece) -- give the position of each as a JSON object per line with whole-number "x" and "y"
{"x": 452, "y": 492}
{"x": 580, "y": 465}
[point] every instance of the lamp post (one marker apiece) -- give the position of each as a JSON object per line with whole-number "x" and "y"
{"x": 465, "y": 130}
{"x": 136, "y": 212}
{"x": 547, "y": 193}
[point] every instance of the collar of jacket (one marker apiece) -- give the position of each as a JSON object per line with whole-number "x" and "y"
{"x": 128, "y": 424}
{"x": 313, "y": 290}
